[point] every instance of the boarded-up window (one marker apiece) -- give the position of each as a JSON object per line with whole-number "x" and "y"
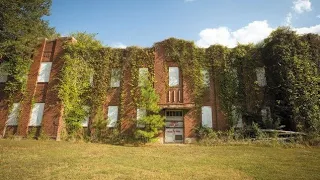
{"x": 36, "y": 114}
{"x": 143, "y": 76}
{"x": 3, "y": 78}
{"x": 140, "y": 114}
{"x": 115, "y": 77}
{"x": 86, "y": 119}
{"x": 13, "y": 116}
{"x": 205, "y": 77}
{"x": 44, "y": 72}
{"x": 261, "y": 77}
{"x": 112, "y": 116}
{"x": 173, "y": 76}
{"x": 206, "y": 116}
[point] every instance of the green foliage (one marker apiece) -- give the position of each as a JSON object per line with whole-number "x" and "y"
{"x": 294, "y": 80}
{"x": 21, "y": 26}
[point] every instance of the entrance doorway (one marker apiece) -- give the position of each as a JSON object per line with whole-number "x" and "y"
{"x": 174, "y": 126}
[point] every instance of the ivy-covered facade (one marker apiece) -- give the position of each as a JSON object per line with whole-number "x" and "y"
{"x": 77, "y": 87}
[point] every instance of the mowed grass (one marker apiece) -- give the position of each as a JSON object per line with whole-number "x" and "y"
{"x": 30, "y": 159}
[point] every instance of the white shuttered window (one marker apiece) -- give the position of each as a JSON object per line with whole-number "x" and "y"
{"x": 206, "y": 116}
{"x": 13, "y": 116}
{"x": 44, "y": 72}
{"x": 112, "y": 116}
{"x": 36, "y": 114}
{"x": 173, "y": 76}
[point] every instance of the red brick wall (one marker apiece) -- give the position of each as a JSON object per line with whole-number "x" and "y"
{"x": 51, "y": 51}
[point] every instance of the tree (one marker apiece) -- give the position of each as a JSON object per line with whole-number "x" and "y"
{"x": 152, "y": 121}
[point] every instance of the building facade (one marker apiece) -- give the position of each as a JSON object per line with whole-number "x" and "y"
{"x": 41, "y": 110}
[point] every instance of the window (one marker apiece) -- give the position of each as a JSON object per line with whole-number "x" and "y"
{"x": 206, "y": 116}
{"x": 205, "y": 77}
{"x": 115, "y": 77}
{"x": 143, "y": 75}
{"x": 261, "y": 77}
{"x": 36, "y": 114}
{"x": 140, "y": 114}
{"x": 86, "y": 119}
{"x": 112, "y": 116}
{"x": 44, "y": 72}
{"x": 13, "y": 116}
{"x": 3, "y": 78}
{"x": 91, "y": 79}
{"x": 173, "y": 76}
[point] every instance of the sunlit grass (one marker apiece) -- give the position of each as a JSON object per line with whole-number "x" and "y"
{"x": 30, "y": 159}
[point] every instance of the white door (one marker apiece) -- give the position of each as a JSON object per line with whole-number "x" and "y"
{"x": 174, "y": 127}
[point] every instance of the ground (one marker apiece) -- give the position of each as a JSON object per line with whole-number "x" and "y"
{"x": 31, "y": 159}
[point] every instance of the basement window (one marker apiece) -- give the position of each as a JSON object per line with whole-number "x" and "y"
{"x": 115, "y": 77}
{"x": 112, "y": 116}
{"x": 14, "y": 114}
{"x": 173, "y": 76}
{"x": 206, "y": 116}
{"x": 36, "y": 114}
{"x": 44, "y": 72}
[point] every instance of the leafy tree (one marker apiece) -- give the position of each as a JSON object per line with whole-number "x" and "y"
{"x": 152, "y": 122}
{"x": 21, "y": 26}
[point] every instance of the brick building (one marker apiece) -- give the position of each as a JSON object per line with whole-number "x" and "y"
{"x": 41, "y": 108}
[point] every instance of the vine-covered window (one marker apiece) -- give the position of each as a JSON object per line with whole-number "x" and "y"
{"x": 13, "y": 116}
{"x": 86, "y": 119}
{"x": 261, "y": 77}
{"x": 206, "y": 116}
{"x": 143, "y": 75}
{"x": 141, "y": 112}
{"x": 173, "y": 76}
{"x": 3, "y": 78}
{"x": 115, "y": 77}
{"x": 205, "y": 77}
{"x": 36, "y": 114}
{"x": 112, "y": 116}
{"x": 44, "y": 72}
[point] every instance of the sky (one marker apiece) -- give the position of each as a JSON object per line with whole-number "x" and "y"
{"x": 122, "y": 23}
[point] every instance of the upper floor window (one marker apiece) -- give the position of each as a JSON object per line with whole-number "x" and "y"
{"x": 143, "y": 76}
{"x": 261, "y": 77}
{"x": 173, "y": 76}
{"x": 44, "y": 72}
{"x": 115, "y": 77}
{"x": 3, "y": 73}
{"x": 36, "y": 114}
{"x": 112, "y": 116}
{"x": 205, "y": 77}
{"x": 3, "y": 78}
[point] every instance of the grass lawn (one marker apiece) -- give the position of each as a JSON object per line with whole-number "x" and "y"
{"x": 30, "y": 159}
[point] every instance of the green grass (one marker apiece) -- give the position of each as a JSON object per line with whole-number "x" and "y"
{"x": 30, "y": 159}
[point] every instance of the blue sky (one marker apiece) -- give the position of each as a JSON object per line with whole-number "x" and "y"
{"x": 121, "y": 23}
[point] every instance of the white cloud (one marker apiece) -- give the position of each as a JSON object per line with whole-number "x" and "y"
{"x": 118, "y": 45}
{"x": 318, "y": 16}
{"x": 300, "y": 6}
{"x": 288, "y": 19}
{"x": 189, "y": 0}
{"x": 252, "y": 33}
{"x": 312, "y": 29}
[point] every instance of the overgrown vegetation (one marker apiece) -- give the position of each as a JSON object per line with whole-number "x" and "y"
{"x": 21, "y": 28}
